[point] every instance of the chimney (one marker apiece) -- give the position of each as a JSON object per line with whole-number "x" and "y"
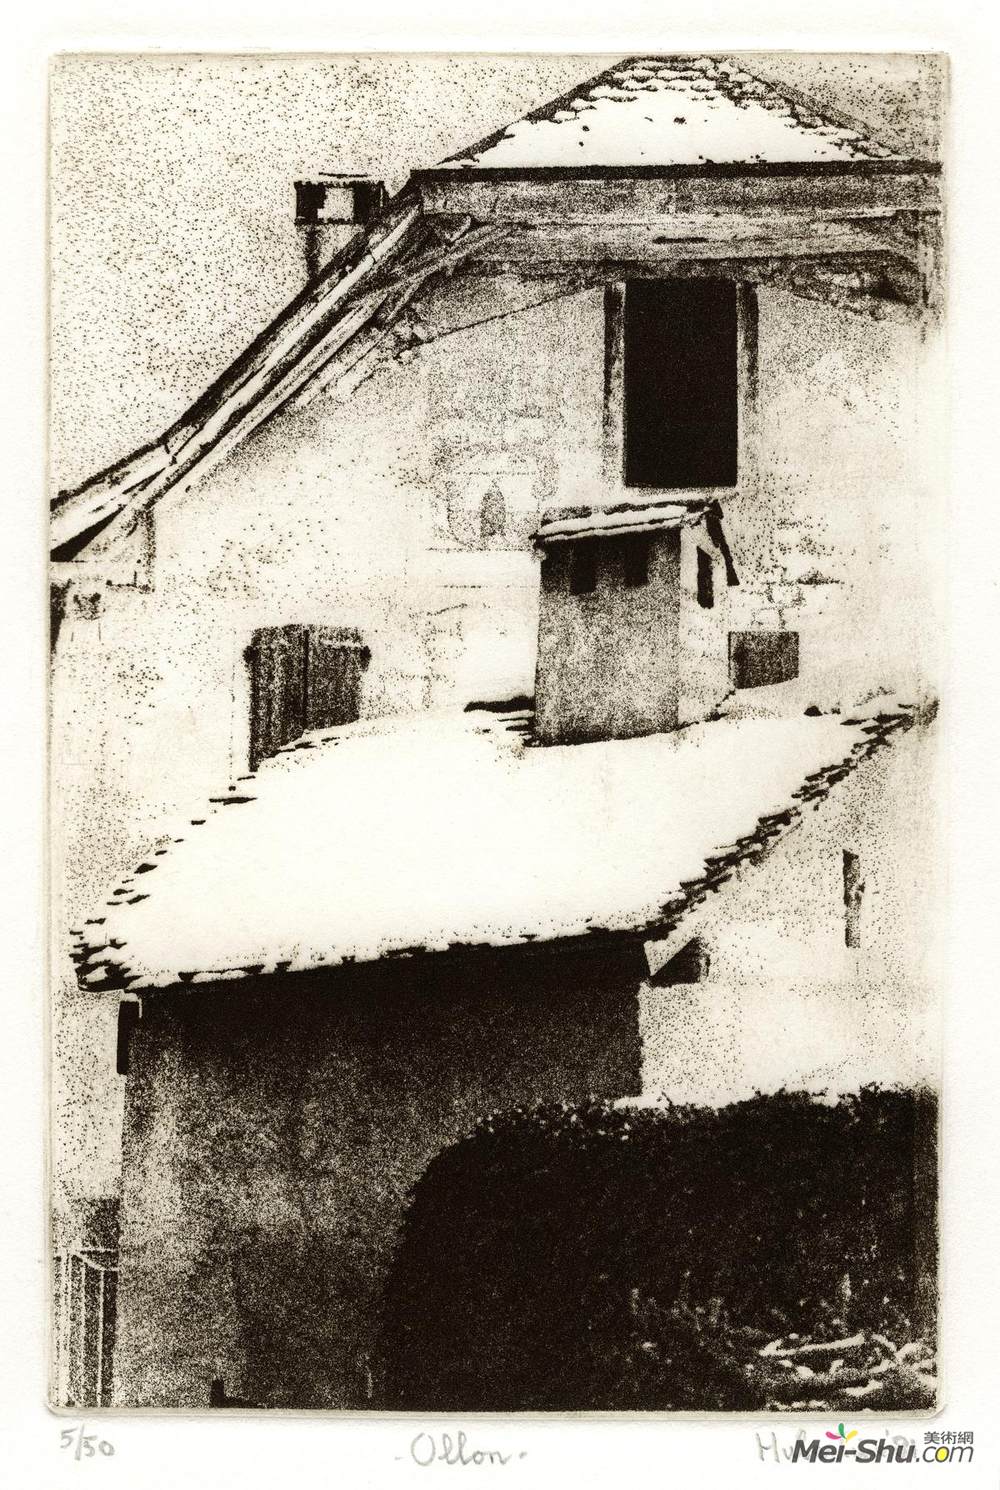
{"x": 329, "y": 210}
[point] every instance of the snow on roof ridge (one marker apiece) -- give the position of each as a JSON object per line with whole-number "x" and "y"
{"x": 489, "y": 803}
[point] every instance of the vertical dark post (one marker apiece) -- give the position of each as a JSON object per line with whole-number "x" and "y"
{"x": 748, "y": 325}
{"x": 311, "y": 249}
{"x": 854, "y": 889}
{"x": 614, "y": 383}
{"x": 58, "y": 596}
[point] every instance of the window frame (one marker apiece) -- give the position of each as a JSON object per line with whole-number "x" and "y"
{"x": 747, "y": 383}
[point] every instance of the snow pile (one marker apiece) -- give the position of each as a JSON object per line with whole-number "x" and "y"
{"x": 389, "y": 837}
{"x": 673, "y": 111}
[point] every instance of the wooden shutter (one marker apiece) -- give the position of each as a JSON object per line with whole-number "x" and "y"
{"x": 302, "y": 678}
{"x": 277, "y": 657}
{"x": 336, "y": 659}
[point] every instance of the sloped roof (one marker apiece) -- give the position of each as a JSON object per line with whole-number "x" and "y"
{"x": 330, "y": 332}
{"x": 645, "y": 114}
{"x": 637, "y": 515}
{"x": 434, "y": 831}
{"x": 674, "y": 111}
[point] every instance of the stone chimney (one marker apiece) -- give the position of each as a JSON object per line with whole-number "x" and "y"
{"x": 329, "y": 210}
{"x": 632, "y": 626}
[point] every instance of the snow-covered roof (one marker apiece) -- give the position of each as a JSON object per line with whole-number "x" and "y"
{"x": 637, "y": 515}
{"x": 674, "y": 111}
{"x": 393, "y": 838}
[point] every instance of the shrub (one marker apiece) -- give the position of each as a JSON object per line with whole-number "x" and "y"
{"x": 595, "y": 1257}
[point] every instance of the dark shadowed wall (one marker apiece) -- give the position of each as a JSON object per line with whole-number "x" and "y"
{"x": 272, "y": 1132}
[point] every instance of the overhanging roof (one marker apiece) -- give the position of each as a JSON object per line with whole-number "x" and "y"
{"x": 447, "y": 831}
{"x": 633, "y": 171}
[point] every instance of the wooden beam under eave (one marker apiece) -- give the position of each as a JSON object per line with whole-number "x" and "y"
{"x": 877, "y": 281}
{"x": 644, "y": 198}
{"x": 655, "y": 244}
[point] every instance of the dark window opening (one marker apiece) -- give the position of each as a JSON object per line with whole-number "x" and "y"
{"x": 302, "y": 678}
{"x": 680, "y": 386}
{"x": 128, "y": 1018}
{"x": 583, "y": 569}
{"x": 706, "y": 580}
{"x": 492, "y": 514}
{"x": 760, "y": 658}
{"x": 854, "y": 889}
{"x": 636, "y": 565}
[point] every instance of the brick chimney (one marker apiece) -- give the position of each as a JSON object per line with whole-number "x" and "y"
{"x": 329, "y": 210}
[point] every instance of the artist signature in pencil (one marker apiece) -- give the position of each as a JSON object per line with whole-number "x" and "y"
{"x": 455, "y": 1450}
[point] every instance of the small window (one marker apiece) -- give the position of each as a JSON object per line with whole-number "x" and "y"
{"x": 760, "y": 658}
{"x": 636, "y": 567}
{"x": 583, "y": 569}
{"x": 706, "y": 580}
{"x": 854, "y": 889}
{"x": 492, "y": 514}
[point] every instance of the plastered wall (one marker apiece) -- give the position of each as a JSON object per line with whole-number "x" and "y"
{"x": 272, "y": 1135}
{"x": 786, "y": 1002}
{"x": 368, "y": 514}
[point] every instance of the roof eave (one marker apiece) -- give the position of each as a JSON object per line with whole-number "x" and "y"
{"x": 679, "y": 170}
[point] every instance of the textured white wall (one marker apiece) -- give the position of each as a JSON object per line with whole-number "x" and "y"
{"x": 366, "y": 514}
{"x": 786, "y": 1002}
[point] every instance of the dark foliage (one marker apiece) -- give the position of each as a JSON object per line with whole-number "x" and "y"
{"x": 601, "y": 1258}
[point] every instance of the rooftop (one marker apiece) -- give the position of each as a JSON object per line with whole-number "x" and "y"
{"x": 637, "y": 515}
{"x": 674, "y": 111}
{"x": 658, "y": 116}
{"x": 418, "y": 834}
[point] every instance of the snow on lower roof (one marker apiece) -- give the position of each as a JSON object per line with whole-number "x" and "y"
{"x": 388, "y": 838}
{"x": 634, "y": 516}
{"x": 673, "y": 111}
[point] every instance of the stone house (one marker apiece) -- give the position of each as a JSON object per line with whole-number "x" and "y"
{"x": 669, "y": 332}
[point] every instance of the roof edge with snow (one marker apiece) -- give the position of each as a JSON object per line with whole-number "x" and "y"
{"x": 102, "y": 964}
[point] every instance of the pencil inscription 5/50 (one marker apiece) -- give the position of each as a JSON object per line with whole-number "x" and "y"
{"x": 84, "y": 1445}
